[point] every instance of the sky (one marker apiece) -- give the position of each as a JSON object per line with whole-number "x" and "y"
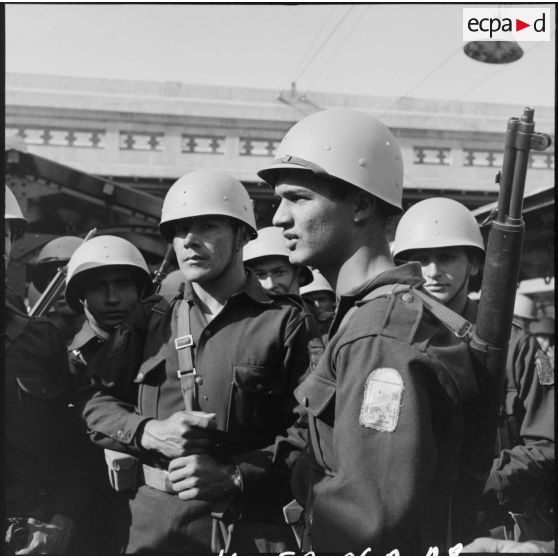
{"x": 413, "y": 50}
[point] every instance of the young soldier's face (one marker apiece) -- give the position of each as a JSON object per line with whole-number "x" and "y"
{"x": 276, "y": 274}
{"x": 204, "y": 247}
{"x": 110, "y": 295}
{"x": 324, "y": 301}
{"x": 315, "y": 223}
{"x": 445, "y": 270}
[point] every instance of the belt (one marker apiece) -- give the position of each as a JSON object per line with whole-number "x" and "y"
{"x": 157, "y": 478}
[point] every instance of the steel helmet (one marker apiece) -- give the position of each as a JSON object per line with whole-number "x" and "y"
{"x": 53, "y": 254}
{"x": 347, "y": 144}
{"x": 171, "y": 283}
{"x": 319, "y": 283}
{"x": 102, "y": 251}
{"x": 271, "y": 242}
{"x": 524, "y": 307}
{"x": 543, "y": 326}
{"x": 436, "y": 223}
{"x": 12, "y": 212}
{"x": 206, "y": 192}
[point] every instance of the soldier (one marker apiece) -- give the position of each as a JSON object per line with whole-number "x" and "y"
{"x": 383, "y": 402}
{"x": 268, "y": 257}
{"x": 445, "y": 238}
{"x": 199, "y": 433}
{"x": 543, "y": 330}
{"x": 320, "y": 298}
{"x": 52, "y": 256}
{"x": 42, "y": 497}
{"x": 107, "y": 277}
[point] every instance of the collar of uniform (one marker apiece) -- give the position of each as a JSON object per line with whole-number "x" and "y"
{"x": 406, "y": 274}
{"x": 251, "y": 288}
{"x": 82, "y": 337}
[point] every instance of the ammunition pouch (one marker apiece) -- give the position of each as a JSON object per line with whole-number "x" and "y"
{"x": 122, "y": 470}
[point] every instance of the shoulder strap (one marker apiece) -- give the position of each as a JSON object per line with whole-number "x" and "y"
{"x": 184, "y": 344}
{"x": 453, "y": 321}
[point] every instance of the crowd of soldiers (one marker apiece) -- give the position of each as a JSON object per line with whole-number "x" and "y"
{"x": 287, "y": 389}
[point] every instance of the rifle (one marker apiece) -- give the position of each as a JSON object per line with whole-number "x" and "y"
{"x": 505, "y": 244}
{"x": 160, "y": 274}
{"x": 55, "y": 287}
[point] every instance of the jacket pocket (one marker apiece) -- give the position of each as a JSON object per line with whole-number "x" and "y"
{"x": 39, "y": 386}
{"x": 253, "y": 401}
{"x": 150, "y": 376}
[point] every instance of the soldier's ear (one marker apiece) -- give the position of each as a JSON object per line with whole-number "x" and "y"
{"x": 364, "y": 206}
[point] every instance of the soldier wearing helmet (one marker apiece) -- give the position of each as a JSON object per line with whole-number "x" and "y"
{"x": 320, "y": 297}
{"x": 199, "y": 434}
{"x": 383, "y": 452}
{"x": 55, "y": 254}
{"x": 107, "y": 277}
{"x": 444, "y": 237}
{"x": 268, "y": 257}
{"x": 42, "y": 496}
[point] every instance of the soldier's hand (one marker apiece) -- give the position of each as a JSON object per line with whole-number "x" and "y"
{"x": 49, "y": 538}
{"x": 200, "y": 477}
{"x": 183, "y": 433}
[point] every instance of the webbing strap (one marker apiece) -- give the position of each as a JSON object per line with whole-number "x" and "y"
{"x": 456, "y": 323}
{"x": 453, "y": 321}
{"x": 184, "y": 344}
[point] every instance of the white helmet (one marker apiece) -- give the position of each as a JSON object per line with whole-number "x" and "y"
{"x": 319, "y": 283}
{"x": 347, "y": 144}
{"x": 12, "y": 212}
{"x": 102, "y": 251}
{"x": 524, "y": 307}
{"x": 270, "y": 242}
{"x": 206, "y": 192}
{"x": 436, "y": 223}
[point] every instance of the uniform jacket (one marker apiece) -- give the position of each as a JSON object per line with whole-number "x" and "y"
{"x": 40, "y": 477}
{"x": 524, "y": 463}
{"x": 384, "y": 406}
{"x": 250, "y": 358}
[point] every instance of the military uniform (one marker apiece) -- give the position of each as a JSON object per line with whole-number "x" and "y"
{"x": 522, "y": 478}
{"x": 249, "y": 359}
{"x": 40, "y": 479}
{"x": 384, "y": 406}
{"x": 105, "y": 514}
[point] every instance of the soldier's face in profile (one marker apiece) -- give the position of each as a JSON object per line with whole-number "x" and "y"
{"x": 446, "y": 271}
{"x": 315, "y": 223}
{"x": 204, "y": 247}
{"x": 276, "y": 274}
{"x": 110, "y": 295}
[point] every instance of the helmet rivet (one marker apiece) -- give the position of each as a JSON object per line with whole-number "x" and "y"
{"x": 362, "y": 162}
{"x": 225, "y": 198}
{"x": 327, "y": 147}
{"x": 387, "y": 142}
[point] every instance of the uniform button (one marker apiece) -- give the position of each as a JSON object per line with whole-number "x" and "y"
{"x": 199, "y": 380}
{"x": 205, "y": 398}
{"x": 407, "y": 297}
{"x": 120, "y": 433}
{"x": 140, "y": 376}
